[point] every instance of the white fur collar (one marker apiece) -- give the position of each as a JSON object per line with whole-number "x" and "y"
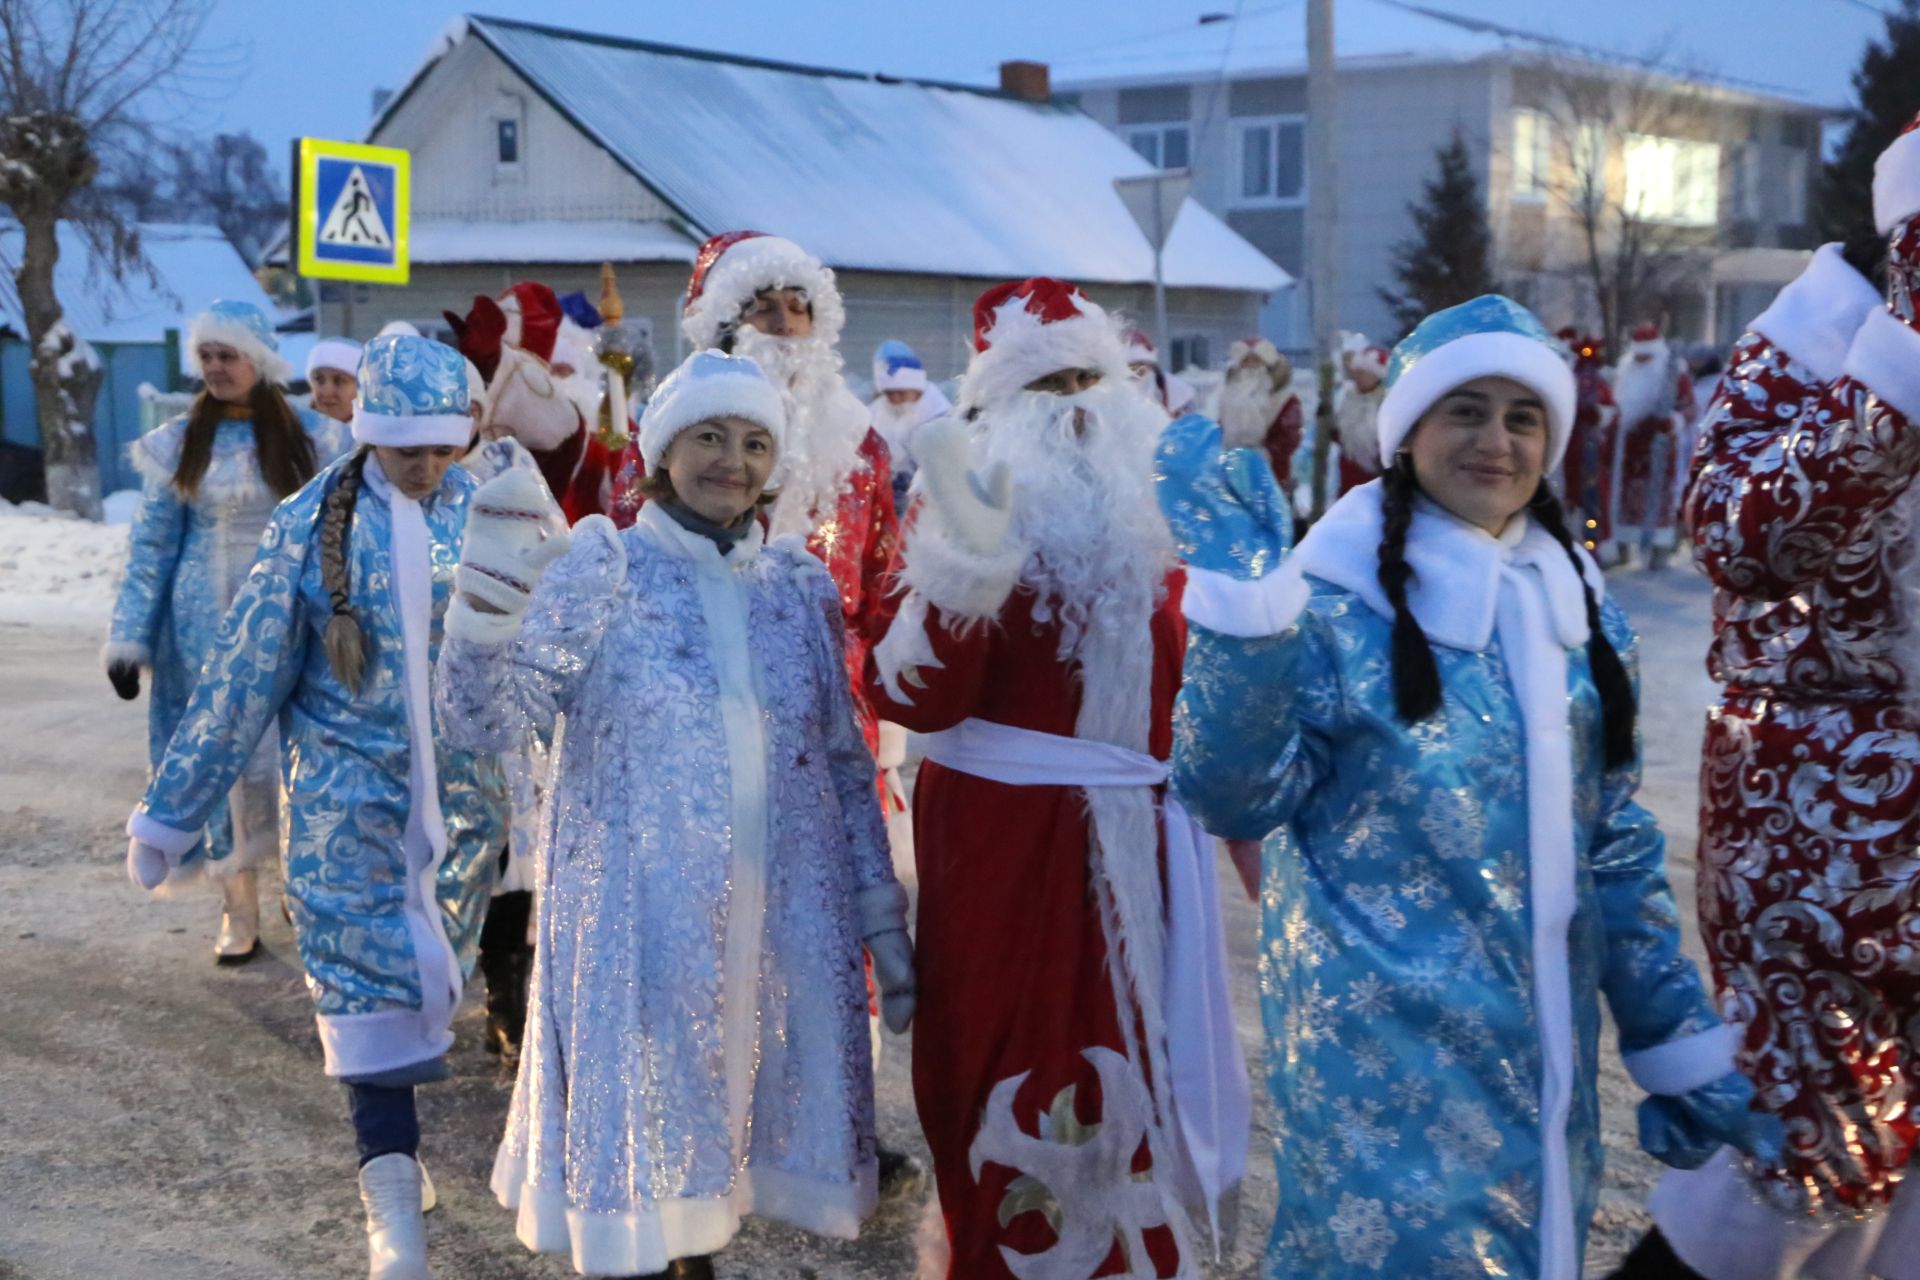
{"x": 1455, "y": 588}
{"x": 677, "y": 540}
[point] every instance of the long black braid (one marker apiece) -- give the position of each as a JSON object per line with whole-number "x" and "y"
{"x": 1618, "y": 709}
{"x": 1416, "y": 676}
{"x": 346, "y": 644}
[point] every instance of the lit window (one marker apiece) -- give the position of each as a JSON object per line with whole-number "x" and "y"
{"x": 1673, "y": 180}
{"x": 1532, "y": 132}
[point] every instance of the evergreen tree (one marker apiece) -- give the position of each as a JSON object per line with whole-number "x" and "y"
{"x": 1888, "y": 86}
{"x": 1448, "y": 258}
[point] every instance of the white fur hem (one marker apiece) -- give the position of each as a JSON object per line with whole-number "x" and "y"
{"x": 1528, "y": 361}
{"x": 1684, "y": 1064}
{"x": 1245, "y": 608}
{"x": 172, "y": 841}
{"x": 365, "y": 1044}
{"x": 642, "y": 1241}
{"x": 125, "y": 651}
{"x": 1886, "y": 357}
{"x": 1815, "y": 317}
{"x": 957, "y": 580}
{"x": 1896, "y": 183}
{"x": 477, "y": 627}
{"x": 882, "y": 908}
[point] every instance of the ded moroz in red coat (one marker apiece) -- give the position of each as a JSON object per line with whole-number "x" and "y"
{"x": 1803, "y": 507}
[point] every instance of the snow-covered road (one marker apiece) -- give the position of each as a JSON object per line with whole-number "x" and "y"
{"x": 163, "y": 1118}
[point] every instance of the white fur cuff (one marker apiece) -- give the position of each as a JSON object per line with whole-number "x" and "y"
{"x": 1815, "y": 317}
{"x": 1886, "y": 357}
{"x": 172, "y": 841}
{"x": 125, "y": 651}
{"x": 958, "y": 581}
{"x": 1245, "y": 608}
{"x": 880, "y": 909}
{"x": 480, "y": 628}
{"x": 1683, "y": 1065}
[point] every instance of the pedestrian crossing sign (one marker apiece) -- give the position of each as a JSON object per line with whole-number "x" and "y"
{"x": 353, "y": 210}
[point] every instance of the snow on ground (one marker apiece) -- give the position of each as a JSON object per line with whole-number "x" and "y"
{"x": 184, "y": 1106}
{"x": 57, "y": 570}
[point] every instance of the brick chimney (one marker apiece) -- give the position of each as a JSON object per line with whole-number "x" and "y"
{"x": 1029, "y": 81}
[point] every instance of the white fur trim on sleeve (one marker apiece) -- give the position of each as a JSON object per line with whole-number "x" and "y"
{"x": 1242, "y": 607}
{"x": 172, "y": 841}
{"x": 967, "y": 585}
{"x": 1896, "y": 183}
{"x": 125, "y": 651}
{"x": 1886, "y": 357}
{"x": 1684, "y": 1064}
{"x": 1815, "y": 317}
{"x": 881, "y": 908}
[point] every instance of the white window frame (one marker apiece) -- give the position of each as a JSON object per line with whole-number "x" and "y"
{"x": 1157, "y": 133}
{"x": 1532, "y": 155}
{"x": 1794, "y": 210}
{"x": 1672, "y": 181}
{"x": 1237, "y": 197}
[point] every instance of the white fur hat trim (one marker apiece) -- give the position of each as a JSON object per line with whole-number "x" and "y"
{"x": 747, "y": 267}
{"x": 1022, "y": 348}
{"x": 1526, "y": 360}
{"x": 339, "y": 354}
{"x": 1896, "y": 183}
{"x": 210, "y": 327}
{"x": 710, "y": 384}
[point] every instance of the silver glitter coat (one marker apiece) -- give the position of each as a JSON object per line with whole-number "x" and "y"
{"x": 712, "y": 855}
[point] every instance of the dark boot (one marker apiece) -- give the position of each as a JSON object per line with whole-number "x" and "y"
{"x": 506, "y": 962}
{"x": 900, "y": 1175}
{"x": 1654, "y": 1259}
{"x": 700, "y": 1268}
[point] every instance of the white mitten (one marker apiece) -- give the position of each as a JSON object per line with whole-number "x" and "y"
{"x": 514, "y": 531}
{"x": 146, "y": 865}
{"x": 975, "y": 508}
{"x": 892, "y": 953}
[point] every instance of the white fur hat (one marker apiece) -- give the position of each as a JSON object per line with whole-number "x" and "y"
{"x": 1027, "y": 329}
{"x": 736, "y": 265}
{"x": 1896, "y": 180}
{"x": 242, "y": 326}
{"x": 708, "y": 385}
{"x": 342, "y": 355}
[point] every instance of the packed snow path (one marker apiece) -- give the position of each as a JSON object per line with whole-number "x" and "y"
{"x": 167, "y": 1118}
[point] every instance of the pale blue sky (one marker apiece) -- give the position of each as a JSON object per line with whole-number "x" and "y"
{"x": 310, "y": 68}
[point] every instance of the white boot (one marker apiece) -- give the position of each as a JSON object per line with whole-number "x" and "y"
{"x": 396, "y": 1233}
{"x": 239, "y": 939}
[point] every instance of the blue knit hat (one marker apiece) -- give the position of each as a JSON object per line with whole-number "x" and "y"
{"x": 245, "y": 328}
{"x": 1489, "y": 337}
{"x": 412, "y": 392}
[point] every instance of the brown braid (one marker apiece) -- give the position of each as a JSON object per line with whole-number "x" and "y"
{"x": 1618, "y": 710}
{"x": 345, "y": 643}
{"x": 1416, "y": 676}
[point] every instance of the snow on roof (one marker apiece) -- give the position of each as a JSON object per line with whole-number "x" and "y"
{"x": 192, "y": 266}
{"x": 1367, "y": 34}
{"x": 553, "y": 240}
{"x": 870, "y": 172}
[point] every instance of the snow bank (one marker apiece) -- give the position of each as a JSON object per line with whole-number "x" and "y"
{"x": 58, "y": 571}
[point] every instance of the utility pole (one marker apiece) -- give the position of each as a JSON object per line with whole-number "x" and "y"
{"x": 1323, "y": 220}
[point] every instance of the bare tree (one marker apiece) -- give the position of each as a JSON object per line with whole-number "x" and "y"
{"x": 78, "y": 78}
{"x": 1625, "y": 164}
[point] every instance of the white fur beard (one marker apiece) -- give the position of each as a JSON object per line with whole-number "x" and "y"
{"x": 1643, "y": 390}
{"x": 1084, "y": 505}
{"x": 1249, "y": 402}
{"x": 825, "y": 426}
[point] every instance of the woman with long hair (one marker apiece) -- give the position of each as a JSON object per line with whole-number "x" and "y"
{"x": 1428, "y": 710}
{"x": 210, "y": 480}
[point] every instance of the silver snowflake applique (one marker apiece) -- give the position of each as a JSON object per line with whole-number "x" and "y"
{"x": 1369, "y": 997}
{"x": 1418, "y": 1199}
{"x": 1361, "y": 1232}
{"x": 1423, "y": 885}
{"x": 1464, "y": 1138}
{"x": 1357, "y": 1128}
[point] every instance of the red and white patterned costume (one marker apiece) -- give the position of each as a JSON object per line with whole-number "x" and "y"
{"x": 839, "y": 487}
{"x": 1655, "y": 397}
{"x": 1803, "y": 509}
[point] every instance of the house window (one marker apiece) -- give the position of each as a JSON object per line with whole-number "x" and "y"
{"x": 1271, "y": 162}
{"x": 1793, "y": 189}
{"x": 1745, "y": 196}
{"x": 506, "y": 134}
{"x": 1590, "y": 160}
{"x": 1532, "y": 156}
{"x": 1673, "y": 180}
{"x": 1190, "y": 351}
{"x": 1163, "y": 146}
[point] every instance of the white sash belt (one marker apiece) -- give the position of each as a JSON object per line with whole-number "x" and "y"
{"x": 1213, "y": 1103}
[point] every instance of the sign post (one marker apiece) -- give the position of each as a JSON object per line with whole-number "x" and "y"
{"x": 352, "y": 214}
{"x": 1154, "y": 200}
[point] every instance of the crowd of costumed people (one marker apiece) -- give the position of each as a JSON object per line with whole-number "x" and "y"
{"x": 519, "y": 660}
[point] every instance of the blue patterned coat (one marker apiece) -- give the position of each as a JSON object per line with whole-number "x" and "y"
{"x": 1436, "y": 933}
{"x": 387, "y": 905}
{"x": 187, "y": 559}
{"x": 713, "y": 852}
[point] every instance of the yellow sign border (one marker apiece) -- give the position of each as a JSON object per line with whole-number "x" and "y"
{"x": 401, "y": 162}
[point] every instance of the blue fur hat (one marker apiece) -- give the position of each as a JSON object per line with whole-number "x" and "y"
{"x": 242, "y": 326}
{"x": 897, "y": 368}
{"x": 1491, "y": 336}
{"x": 412, "y": 392}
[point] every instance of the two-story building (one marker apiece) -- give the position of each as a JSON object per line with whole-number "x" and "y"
{"x": 1715, "y": 177}
{"x": 538, "y": 153}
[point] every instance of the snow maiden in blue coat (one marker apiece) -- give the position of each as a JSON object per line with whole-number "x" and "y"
{"x": 1427, "y": 709}
{"x": 210, "y": 479}
{"x": 390, "y": 837}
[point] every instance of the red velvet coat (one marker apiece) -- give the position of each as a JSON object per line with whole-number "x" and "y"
{"x": 1802, "y": 507}
{"x": 1011, "y": 951}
